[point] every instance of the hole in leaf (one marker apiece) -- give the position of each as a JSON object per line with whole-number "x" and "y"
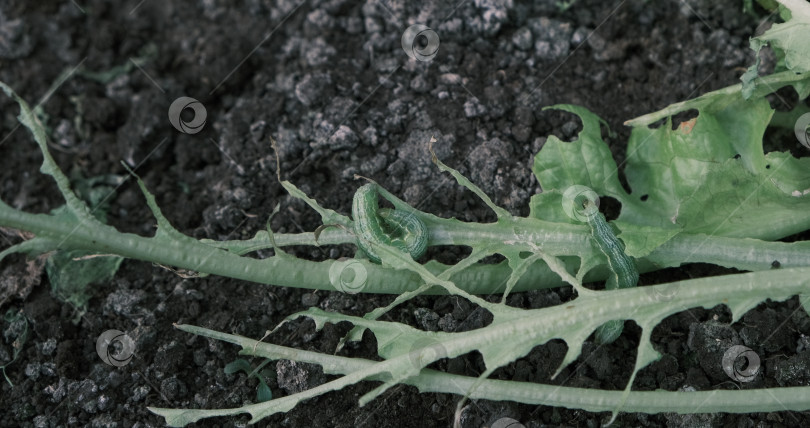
{"x": 610, "y": 207}
{"x": 784, "y": 99}
{"x": 457, "y": 314}
{"x": 657, "y": 124}
{"x": 525, "y": 254}
{"x": 685, "y": 120}
{"x": 566, "y": 126}
{"x": 448, "y": 254}
{"x": 801, "y": 236}
{"x": 538, "y": 365}
{"x": 644, "y": 197}
{"x": 598, "y": 361}
{"x": 493, "y": 259}
{"x": 543, "y": 299}
{"x": 777, "y": 139}
{"x": 688, "y": 271}
{"x": 465, "y": 364}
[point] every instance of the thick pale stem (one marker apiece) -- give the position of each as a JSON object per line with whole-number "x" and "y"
{"x": 535, "y": 325}
{"x": 554, "y": 238}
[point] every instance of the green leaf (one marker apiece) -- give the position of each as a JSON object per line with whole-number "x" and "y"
{"x": 513, "y": 333}
{"x": 788, "y": 40}
{"x": 748, "y": 78}
{"x": 586, "y": 161}
{"x": 641, "y": 240}
{"x": 709, "y": 175}
{"x": 769, "y": 5}
{"x": 609, "y": 332}
{"x": 263, "y": 393}
{"x": 237, "y": 365}
{"x": 328, "y": 216}
{"x": 72, "y": 272}
{"x": 668, "y": 166}
{"x": 97, "y": 191}
{"x": 465, "y": 182}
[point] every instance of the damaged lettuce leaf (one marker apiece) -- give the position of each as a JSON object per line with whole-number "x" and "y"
{"x": 707, "y": 176}
{"x": 786, "y": 39}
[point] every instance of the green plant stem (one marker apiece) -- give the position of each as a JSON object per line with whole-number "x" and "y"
{"x": 78, "y": 229}
{"x": 740, "y": 292}
{"x": 554, "y": 238}
{"x": 765, "y": 85}
{"x": 592, "y": 400}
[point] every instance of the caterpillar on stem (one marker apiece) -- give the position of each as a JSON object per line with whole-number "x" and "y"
{"x": 397, "y": 228}
{"x": 582, "y": 203}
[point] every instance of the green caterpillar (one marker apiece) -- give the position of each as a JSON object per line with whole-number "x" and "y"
{"x": 624, "y": 270}
{"x": 396, "y": 228}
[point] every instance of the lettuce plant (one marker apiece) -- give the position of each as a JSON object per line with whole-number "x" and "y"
{"x": 704, "y": 192}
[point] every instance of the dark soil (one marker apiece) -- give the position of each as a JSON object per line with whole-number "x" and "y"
{"x": 331, "y": 83}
